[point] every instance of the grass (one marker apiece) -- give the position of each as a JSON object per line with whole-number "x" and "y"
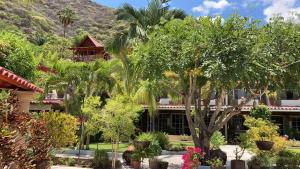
{"x": 186, "y": 143}
{"x": 294, "y": 150}
{"x": 107, "y": 147}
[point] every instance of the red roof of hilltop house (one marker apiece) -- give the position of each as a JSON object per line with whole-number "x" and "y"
{"x": 10, "y": 80}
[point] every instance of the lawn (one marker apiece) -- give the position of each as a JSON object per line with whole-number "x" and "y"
{"x": 295, "y": 150}
{"x": 186, "y": 143}
{"x": 107, "y": 146}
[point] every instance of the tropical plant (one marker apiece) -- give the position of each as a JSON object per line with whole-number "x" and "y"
{"x": 66, "y": 17}
{"x": 216, "y": 162}
{"x": 217, "y": 140}
{"x": 159, "y": 137}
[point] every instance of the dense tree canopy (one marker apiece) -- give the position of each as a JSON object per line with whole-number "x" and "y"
{"x": 17, "y": 54}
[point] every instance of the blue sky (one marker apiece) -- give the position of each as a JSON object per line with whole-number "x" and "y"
{"x": 256, "y": 9}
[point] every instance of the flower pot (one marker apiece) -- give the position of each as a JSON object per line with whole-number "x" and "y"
{"x": 264, "y": 145}
{"x": 238, "y": 164}
{"x": 153, "y": 164}
{"x": 127, "y": 157}
{"x": 163, "y": 165}
{"x": 135, "y": 164}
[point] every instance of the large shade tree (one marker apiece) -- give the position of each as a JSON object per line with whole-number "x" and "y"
{"x": 199, "y": 58}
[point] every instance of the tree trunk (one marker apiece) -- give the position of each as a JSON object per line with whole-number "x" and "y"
{"x": 188, "y": 103}
{"x": 65, "y": 31}
{"x": 204, "y": 141}
{"x": 88, "y": 138}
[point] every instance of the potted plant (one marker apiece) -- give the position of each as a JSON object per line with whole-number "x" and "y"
{"x": 151, "y": 152}
{"x": 216, "y": 163}
{"x": 244, "y": 143}
{"x": 264, "y": 143}
{"x": 192, "y": 158}
{"x": 136, "y": 159}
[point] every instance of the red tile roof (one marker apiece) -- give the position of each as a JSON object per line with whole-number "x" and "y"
{"x": 10, "y": 79}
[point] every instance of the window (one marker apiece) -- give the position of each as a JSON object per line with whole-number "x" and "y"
{"x": 278, "y": 120}
{"x": 296, "y": 123}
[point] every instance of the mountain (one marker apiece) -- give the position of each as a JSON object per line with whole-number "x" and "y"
{"x": 40, "y": 17}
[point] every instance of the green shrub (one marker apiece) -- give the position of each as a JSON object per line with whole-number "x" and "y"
{"x": 261, "y": 111}
{"x": 71, "y": 162}
{"x": 217, "y": 140}
{"x": 101, "y": 160}
{"x": 160, "y": 137}
{"x": 288, "y": 160}
{"x": 177, "y": 147}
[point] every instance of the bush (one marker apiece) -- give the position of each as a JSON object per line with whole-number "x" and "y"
{"x": 261, "y": 111}
{"x": 288, "y": 160}
{"x": 62, "y": 128}
{"x": 294, "y": 143}
{"x": 217, "y": 140}
{"x": 101, "y": 160}
{"x": 160, "y": 137}
{"x": 177, "y": 147}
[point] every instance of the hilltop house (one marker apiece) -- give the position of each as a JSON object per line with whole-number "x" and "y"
{"x": 89, "y": 50}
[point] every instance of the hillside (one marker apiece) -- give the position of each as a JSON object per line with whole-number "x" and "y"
{"x": 41, "y": 17}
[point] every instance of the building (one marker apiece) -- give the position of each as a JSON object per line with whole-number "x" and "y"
{"x": 89, "y": 50}
{"x": 171, "y": 116}
{"x": 25, "y": 89}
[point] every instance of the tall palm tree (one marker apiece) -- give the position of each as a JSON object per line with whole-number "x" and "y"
{"x": 140, "y": 22}
{"x": 66, "y": 17}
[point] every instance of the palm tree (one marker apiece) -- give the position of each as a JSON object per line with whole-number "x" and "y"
{"x": 140, "y": 22}
{"x": 66, "y": 17}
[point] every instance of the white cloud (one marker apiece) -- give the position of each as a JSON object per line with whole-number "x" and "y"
{"x": 207, "y": 5}
{"x": 285, "y": 8}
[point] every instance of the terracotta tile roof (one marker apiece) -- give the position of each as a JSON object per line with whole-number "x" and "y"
{"x": 245, "y": 108}
{"x": 12, "y": 79}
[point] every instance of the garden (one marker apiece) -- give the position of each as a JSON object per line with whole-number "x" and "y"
{"x": 161, "y": 53}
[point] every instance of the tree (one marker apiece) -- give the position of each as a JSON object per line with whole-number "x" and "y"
{"x": 17, "y": 54}
{"x": 66, "y": 17}
{"x": 197, "y": 58}
{"x": 117, "y": 119}
{"x": 91, "y": 115}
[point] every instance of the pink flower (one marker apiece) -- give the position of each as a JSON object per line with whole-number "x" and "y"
{"x": 192, "y": 157}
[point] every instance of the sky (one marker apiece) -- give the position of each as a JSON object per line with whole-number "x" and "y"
{"x": 255, "y": 9}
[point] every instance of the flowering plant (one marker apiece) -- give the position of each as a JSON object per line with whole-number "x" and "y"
{"x": 192, "y": 157}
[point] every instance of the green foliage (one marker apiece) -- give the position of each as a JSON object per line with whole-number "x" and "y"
{"x": 176, "y": 147}
{"x": 153, "y": 150}
{"x": 217, "y": 140}
{"x": 160, "y": 137}
{"x": 288, "y": 160}
{"x": 261, "y": 111}
{"x": 260, "y": 129}
{"x": 62, "y": 128}
{"x": 91, "y": 112}
{"x": 17, "y": 55}
{"x": 101, "y": 160}
{"x": 216, "y": 162}
{"x": 118, "y": 117}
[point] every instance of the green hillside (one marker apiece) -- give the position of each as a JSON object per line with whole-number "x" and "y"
{"x": 40, "y": 17}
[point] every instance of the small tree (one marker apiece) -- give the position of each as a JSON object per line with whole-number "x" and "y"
{"x": 118, "y": 118}
{"x": 66, "y": 17}
{"x": 91, "y": 115}
{"x": 261, "y": 111}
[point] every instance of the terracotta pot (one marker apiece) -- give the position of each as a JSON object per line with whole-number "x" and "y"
{"x": 153, "y": 164}
{"x": 238, "y": 164}
{"x": 135, "y": 164}
{"x": 264, "y": 145}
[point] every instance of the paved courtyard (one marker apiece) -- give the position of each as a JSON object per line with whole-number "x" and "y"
{"x": 175, "y": 161}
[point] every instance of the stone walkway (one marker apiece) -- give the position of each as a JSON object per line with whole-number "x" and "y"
{"x": 175, "y": 161}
